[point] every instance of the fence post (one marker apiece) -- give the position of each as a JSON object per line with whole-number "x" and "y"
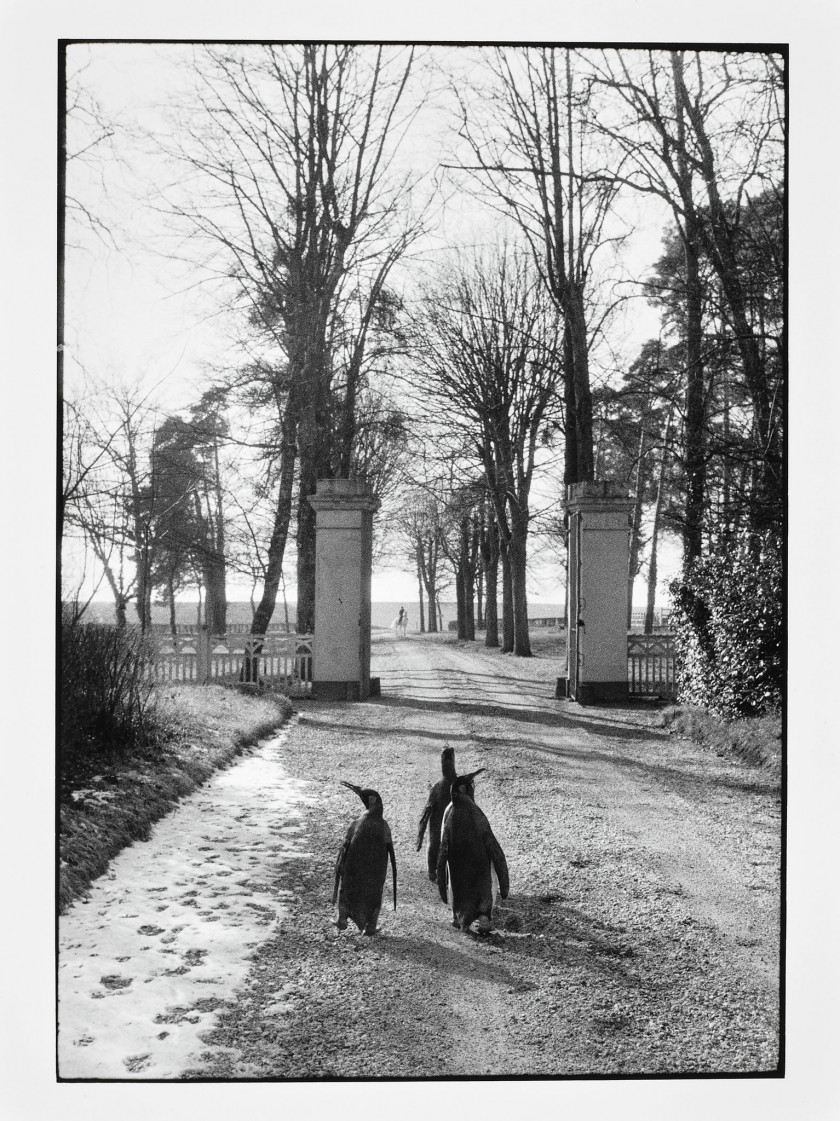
{"x": 202, "y": 650}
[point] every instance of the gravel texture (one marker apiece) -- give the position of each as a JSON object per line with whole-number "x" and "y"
{"x": 641, "y": 934}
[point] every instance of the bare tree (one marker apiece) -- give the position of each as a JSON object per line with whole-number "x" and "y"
{"x": 90, "y": 154}
{"x": 422, "y": 524}
{"x": 487, "y": 345}
{"x": 108, "y": 437}
{"x": 304, "y": 213}
{"x": 459, "y": 540}
{"x": 530, "y": 135}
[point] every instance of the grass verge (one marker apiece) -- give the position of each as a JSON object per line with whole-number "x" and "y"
{"x": 754, "y": 740}
{"x": 105, "y": 806}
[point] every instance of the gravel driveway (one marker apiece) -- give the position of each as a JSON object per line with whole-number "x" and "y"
{"x": 641, "y": 933}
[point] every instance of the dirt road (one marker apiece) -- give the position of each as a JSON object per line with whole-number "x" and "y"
{"x": 641, "y": 930}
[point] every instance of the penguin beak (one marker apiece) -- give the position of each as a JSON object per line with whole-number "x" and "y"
{"x": 355, "y": 789}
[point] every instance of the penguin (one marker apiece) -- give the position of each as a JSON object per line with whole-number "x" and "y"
{"x": 433, "y": 810}
{"x": 468, "y": 849}
{"x": 362, "y": 865}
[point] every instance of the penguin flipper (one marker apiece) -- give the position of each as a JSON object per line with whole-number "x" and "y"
{"x": 339, "y": 865}
{"x": 424, "y": 821}
{"x": 342, "y": 856}
{"x": 497, "y": 858}
{"x": 390, "y": 848}
{"x": 443, "y": 857}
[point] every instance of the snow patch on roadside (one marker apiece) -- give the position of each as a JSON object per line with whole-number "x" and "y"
{"x": 166, "y": 935}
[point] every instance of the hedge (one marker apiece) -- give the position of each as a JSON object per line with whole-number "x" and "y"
{"x": 729, "y": 615}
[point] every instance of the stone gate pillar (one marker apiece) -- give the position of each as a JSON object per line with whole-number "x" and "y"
{"x": 598, "y": 559}
{"x": 344, "y": 511}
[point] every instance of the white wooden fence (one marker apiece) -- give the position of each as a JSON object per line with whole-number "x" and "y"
{"x": 195, "y": 628}
{"x": 282, "y": 660}
{"x": 651, "y": 664}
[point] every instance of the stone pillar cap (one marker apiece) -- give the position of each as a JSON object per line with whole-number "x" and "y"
{"x": 344, "y": 494}
{"x": 604, "y": 494}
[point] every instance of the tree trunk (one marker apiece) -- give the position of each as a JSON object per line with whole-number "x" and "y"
{"x": 305, "y": 541}
{"x": 428, "y": 572}
{"x": 434, "y": 611}
{"x": 518, "y": 566}
{"x": 651, "y": 585}
{"x": 491, "y": 616}
{"x": 654, "y": 533}
{"x": 570, "y": 443}
{"x": 636, "y": 528}
{"x": 507, "y": 601}
{"x": 469, "y": 603}
{"x": 695, "y": 469}
{"x": 173, "y": 622}
{"x": 213, "y": 571}
{"x": 490, "y": 567}
{"x": 143, "y": 602}
{"x": 468, "y": 563}
{"x": 460, "y": 610}
{"x": 286, "y": 622}
{"x": 695, "y": 451}
{"x": 726, "y": 467}
{"x": 277, "y": 544}
{"x": 583, "y": 396}
{"x": 314, "y": 442}
{"x": 280, "y": 528}
{"x": 420, "y": 593}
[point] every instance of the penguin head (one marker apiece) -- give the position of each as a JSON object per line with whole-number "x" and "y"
{"x": 370, "y": 797}
{"x": 463, "y": 784}
{"x": 447, "y": 763}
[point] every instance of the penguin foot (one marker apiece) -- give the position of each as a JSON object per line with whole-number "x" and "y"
{"x": 341, "y": 924}
{"x": 483, "y": 924}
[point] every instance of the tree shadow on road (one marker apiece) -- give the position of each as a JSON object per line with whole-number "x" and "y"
{"x": 359, "y": 729}
{"x": 615, "y": 728}
{"x": 749, "y": 782}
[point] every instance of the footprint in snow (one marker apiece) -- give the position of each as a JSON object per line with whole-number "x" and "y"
{"x": 114, "y": 982}
{"x": 136, "y": 1063}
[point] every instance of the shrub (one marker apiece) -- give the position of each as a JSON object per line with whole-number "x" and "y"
{"x": 105, "y": 691}
{"x": 729, "y": 619}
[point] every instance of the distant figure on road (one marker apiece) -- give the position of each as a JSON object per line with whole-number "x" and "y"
{"x": 401, "y": 623}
